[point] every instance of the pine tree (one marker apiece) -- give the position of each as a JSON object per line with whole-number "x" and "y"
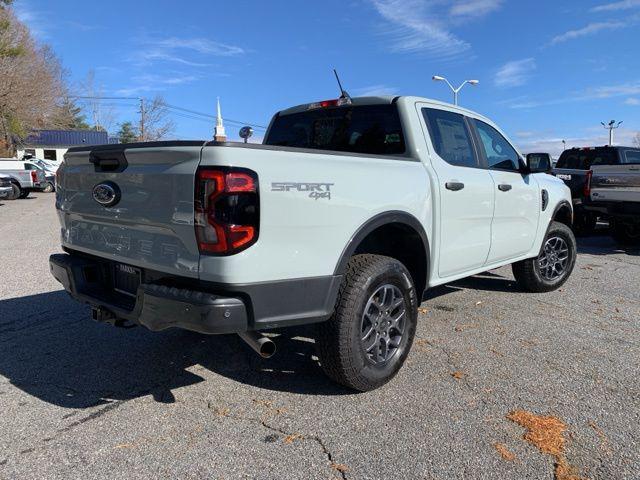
{"x": 127, "y": 133}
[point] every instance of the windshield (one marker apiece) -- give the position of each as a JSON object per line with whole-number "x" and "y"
{"x": 373, "y": 129}
{"x": 584, "y": 159}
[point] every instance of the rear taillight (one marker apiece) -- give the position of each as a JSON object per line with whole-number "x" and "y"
{"x": 227, "y": 215}
{"x": 34, "y": 176}
{"x": 586, "y": 191}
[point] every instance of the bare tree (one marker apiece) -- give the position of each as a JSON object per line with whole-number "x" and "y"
{"x": 31, "y": 84}
{"x": 637, "y": 140}
{"x": 102, "y": 117}
{"x": 154, "y": 121}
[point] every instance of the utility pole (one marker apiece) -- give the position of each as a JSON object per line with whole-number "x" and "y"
{"x": 142, "y": 120}
{"x": 611, "y": 126}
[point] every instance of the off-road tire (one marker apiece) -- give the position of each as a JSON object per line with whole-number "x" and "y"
{"x": 527, "y": 272}
{"x": 24, "y": 194}
{"x": 585, "y": 224}
{"x": 624, "y": 233}
{"x": 15, "y": 194}
{"x": 340, "y": 350}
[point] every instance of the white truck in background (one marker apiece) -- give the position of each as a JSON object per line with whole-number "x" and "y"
{"x": 347, "y": 213}
{"x": 25, "y": 177}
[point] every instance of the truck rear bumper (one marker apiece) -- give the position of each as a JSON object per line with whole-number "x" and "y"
{"x": 161, "y": 303}
{"x": 157, "y": 307}
{"x": 615, "y": 209}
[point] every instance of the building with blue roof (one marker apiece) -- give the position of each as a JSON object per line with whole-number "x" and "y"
{"x": 53, "y": 144}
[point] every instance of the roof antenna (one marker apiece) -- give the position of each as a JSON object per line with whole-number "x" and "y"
{"x": 343, "y": 94}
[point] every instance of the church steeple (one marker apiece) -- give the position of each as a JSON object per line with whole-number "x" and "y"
{"x": 219, "y": 134}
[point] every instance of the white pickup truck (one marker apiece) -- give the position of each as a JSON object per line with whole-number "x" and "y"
{"x": 344, "y": 216}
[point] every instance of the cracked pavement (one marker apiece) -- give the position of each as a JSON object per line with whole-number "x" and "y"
{"x": 85, "y": 400}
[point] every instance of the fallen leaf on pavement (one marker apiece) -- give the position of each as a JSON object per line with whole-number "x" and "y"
{"x": 547, "y": 433}
{"x": 289, "y": 439}
{"x": 340, "y": 467}
{"x": 504, "y": 452}
{"x": 458, "y": 375}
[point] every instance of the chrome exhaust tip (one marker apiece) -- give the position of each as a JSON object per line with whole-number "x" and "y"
{"x": 263, "y": 346}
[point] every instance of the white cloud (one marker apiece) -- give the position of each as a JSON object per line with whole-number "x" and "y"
{"x": 593, "y": 93}
{"x": 590, "y": 29}
{"x": 375, "y": 90}
{"x": 515, "y": 73}
{"x": 615, "y": 6}
{"x": 191, "y": 52}
{"x": 474, "y": 8}
{"x": 200, "y": 45}
{"x": 424, "y": 26}
{"x": 154, "y": 83}
{"x": 544, "y": 142}
{"x": 632, "y": 101}
{"x": 608, "y": 91}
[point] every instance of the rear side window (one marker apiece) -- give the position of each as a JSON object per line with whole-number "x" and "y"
{"x": 632, "y": 157}
{"x": 450, "y": 137}
{"x": 500, "y": 154}
{"x": 585, "y": 158}
{"x": 372, "y": 129}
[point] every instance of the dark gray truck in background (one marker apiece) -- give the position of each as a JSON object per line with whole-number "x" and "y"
{"x": 593, "y": 174}
{"x": 574, "y": 168}
{"x": 615, "y": 195}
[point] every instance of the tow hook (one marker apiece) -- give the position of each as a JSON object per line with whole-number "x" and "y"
{"x": 104, "y": 315}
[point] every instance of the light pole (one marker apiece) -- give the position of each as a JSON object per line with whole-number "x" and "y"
{"x": 456, "y": 91}
{"x": 611, "y": 126}
{"x": 564, "y": 145}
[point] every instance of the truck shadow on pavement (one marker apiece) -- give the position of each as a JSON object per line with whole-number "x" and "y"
{"x": 604, "y": 245}
{"x": 52, "y": 350}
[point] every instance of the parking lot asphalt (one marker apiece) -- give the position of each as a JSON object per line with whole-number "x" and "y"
{"x": 80, "y": 399}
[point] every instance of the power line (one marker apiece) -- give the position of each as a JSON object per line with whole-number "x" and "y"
{"x": 86, "y": 97}
{"x": 171, "y": 107}
{"x": 229, "y": 120}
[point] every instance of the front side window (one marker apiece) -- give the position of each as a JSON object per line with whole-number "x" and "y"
{"x": 632, "y": 156}
{"x": 450, "y": 137}
{"x": 500, "y": 154}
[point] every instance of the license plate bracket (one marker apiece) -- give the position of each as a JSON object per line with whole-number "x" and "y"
{"x": 126, "y": 279}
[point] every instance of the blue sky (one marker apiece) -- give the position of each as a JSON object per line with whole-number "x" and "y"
{"x": 549, "y": 70}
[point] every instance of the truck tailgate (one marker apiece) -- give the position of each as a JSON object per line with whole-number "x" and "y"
{"x": 574, "y": 179}
{"x": 616, "y": 183}
{"x": 151, "y": 223}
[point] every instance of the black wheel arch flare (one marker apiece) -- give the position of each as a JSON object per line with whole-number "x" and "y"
{"x": 380, "y": 220}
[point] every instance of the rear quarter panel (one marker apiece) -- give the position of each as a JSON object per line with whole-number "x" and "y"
{"x": 301, "y": 236}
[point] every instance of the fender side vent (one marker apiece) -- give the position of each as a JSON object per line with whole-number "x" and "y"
{"x": 545, "y": 200}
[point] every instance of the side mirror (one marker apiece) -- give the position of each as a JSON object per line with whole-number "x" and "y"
{"x": 539, "y": 162}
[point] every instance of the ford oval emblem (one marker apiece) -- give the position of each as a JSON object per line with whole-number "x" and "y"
{"x": 106, "y": 194}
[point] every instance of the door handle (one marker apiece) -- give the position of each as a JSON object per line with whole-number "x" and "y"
{"x": 454, "y": 186}
{"x": 504, "y": 187}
